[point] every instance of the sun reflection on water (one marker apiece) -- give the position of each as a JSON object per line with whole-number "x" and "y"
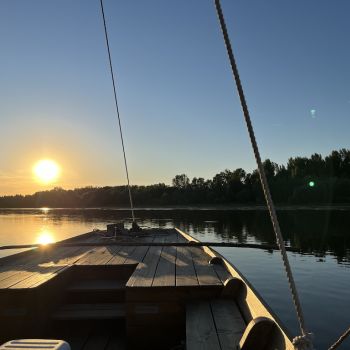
{"x": 45, "y": 237}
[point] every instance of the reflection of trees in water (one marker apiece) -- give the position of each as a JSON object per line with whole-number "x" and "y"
{"x": 319, "y": 232}
{"x": 316, "y": 232}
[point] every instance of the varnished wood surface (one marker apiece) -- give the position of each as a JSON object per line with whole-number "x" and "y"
{"x": 159, "y": 280}
{"x": 249, "y": 301}
{"x": 154, "y": 266}
{"x": 215, "y": 324}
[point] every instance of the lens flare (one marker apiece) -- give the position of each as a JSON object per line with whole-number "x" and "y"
{"x": 311, "y": 184}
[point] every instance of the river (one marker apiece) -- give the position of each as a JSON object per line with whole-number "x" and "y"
{"x": 321, "y": 271}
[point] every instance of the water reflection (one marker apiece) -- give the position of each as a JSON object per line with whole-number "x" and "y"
{"x": 317, "y": 232}
{"x": 45, "y": 237}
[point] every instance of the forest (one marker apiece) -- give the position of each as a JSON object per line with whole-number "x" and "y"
{"x": 313, "y": 180}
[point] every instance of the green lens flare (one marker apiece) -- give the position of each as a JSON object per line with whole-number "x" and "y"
{"x": 311, "y": 183}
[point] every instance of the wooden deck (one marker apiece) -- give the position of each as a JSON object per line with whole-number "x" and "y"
{"x": 109, "y": 296}
{"x": 144, "y": 287}
{"x": 156, "y": 266}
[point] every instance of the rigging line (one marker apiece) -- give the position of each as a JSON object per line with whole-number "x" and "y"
{"x": 340, "y": 340}
{"x": 151, "y": 244}
{"x": 262, "y": 175}
{"x": 117, "y": 109}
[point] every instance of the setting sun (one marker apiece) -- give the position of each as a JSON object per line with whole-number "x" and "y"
{"x": 46, "y": 171}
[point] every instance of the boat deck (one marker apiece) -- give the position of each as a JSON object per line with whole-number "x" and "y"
{"x": 44, "y": 291}
{"x": 154, "y": 266}
{"x": 117, "y": 291}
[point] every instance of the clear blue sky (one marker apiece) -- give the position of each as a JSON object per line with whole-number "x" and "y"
{"x": 177, "y": 98}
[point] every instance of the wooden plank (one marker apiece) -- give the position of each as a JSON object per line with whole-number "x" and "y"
{"x": 98, "y": 256}
{"x": 185, "y": 272}
{"x": 222, "y": 272}
{"x": 181, "y": 238}
{"x": 229, "y": 323}
{"x": 144, "y": 273}
{"x": 120, "y": 257}
{"x": 200, "y": 328}
{"x": 45, "y": 254}
{"x": 16, "y": 278}
{"x": 11, "y": 271}
{"x": 69, "y": 257}
{"x": 206, "y": 274}
{"x": 249, "y": 301}
{"x": 90, "y": 311}
{"x": 165, "y": 273}
{"x": 42, "y": 275}
{"x": 26, "y": 276}
{"x": 137, "y": 255}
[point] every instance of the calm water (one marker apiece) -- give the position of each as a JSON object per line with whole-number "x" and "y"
{"x": 322, "y": 271}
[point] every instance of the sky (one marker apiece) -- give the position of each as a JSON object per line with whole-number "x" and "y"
{"x": 178, "y": 104}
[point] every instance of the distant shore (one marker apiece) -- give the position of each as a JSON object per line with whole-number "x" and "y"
{"x": 195, "y": 207}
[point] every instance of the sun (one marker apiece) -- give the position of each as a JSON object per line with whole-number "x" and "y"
{"x": 46, "y": 171}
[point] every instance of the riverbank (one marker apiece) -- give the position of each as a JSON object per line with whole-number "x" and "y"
{"x": 195, "y": 207}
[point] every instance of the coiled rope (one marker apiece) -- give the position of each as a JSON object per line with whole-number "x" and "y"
{"x": 117, "y": 110}
{"x": 303, "y": 341}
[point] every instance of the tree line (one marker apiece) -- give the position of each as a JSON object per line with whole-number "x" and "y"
{"x": 303, "y": 180}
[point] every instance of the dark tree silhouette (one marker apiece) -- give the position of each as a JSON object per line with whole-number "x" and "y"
{"x": 303, "y": 180}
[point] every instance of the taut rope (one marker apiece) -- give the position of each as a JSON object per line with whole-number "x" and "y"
{"x": 117, "y": 109}
{"x": 304, "y": 341}
{"x": 149, "y": 244}
{"x": 340, "y": 340}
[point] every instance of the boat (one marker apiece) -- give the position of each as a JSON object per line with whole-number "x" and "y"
{"x": 131, "y": 289}
{"x": 139, "y": 288}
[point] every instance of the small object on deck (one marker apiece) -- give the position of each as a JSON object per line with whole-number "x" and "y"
{"x": 115, "y": 229}
{"x": 52, "y": 344}
{"x": 135, "y": 227}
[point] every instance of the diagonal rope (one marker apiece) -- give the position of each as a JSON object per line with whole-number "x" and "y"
{"x": 117, "y": 110}
{"x": 340, "y": 340}
{"x": 264, "y": 183}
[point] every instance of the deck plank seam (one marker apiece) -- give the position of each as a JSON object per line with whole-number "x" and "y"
{"x": 215, "y": 325}
{"x": 155, "y": 270}
{"x": 13, "y": 286}
{"x": 164, "y": 239}
{"x": 114, "y": 251}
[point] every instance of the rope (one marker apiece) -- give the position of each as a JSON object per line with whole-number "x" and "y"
{"x": 152, "y": 244}
{"x": 117, "y": 109}
{"x": 263, "y": 180}
{"x": 340, "y": 340}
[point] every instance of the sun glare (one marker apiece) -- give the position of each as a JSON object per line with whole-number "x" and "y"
{"x": 45, "y": 237}
{"x": 46, "y": 171}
